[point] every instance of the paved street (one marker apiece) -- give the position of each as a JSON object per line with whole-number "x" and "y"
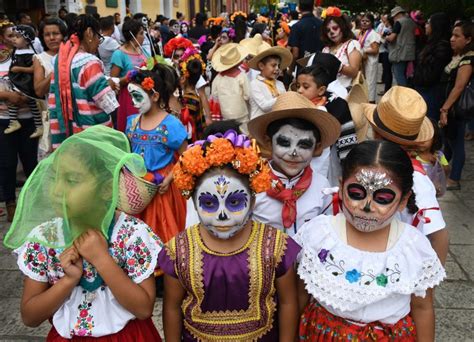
{"x": 454, "y": 298}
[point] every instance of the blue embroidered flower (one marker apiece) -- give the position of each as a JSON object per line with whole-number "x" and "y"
{"x": 322, "y": 255}
{"x": 353, "y": 276}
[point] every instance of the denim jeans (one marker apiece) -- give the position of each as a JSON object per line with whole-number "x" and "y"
{"x": 434, "y": 98}
{"x": 454, "y": 149}
{"x": 399, "y": 71}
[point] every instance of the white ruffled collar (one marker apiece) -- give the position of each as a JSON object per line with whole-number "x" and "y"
{"x": 346, "y": 278}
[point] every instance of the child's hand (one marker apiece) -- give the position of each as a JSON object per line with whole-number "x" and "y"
{"x": 92, "y": 246}
{"x": 164, "y": 186}
{"x": 71, "y": 262}
{"x": 15, "y": 69}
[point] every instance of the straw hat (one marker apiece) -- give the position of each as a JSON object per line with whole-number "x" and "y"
{"x": 265, "y": 51}
{"x": 396, "y": 10}
{"x": 293, "y": 105}
{"x": 400, "y": 117}
{"x": 228, "y": 56}
{"x": 355, "y": 99}
{"x": 252, "y": 44}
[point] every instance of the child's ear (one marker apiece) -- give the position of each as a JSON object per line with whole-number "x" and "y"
{"x": 155, "y": 97}
{"x": 260, "y": 66}
{"x": 404, "y": 202}
{"x": 322, "y": 90}
{"x": 318, "y": 149}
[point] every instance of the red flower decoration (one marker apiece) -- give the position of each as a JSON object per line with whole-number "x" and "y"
{"x": 176, "y": 43}
{"x": 148, "y": 84}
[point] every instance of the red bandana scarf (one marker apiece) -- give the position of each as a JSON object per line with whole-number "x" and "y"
{"x": 290, "y": 196}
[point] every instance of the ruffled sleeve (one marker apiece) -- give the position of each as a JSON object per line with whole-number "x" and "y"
{"x": 32, "y": 259}
{"x": 348, "y": 279}
{"x": 139, "y": 246}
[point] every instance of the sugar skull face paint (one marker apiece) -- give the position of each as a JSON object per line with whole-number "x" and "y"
{"x": 370, "y": 199}
{"x": 334, "y": 32}
{"x": 140, "y": 99}
{"x": 223, "y": 203}
{"x": 292, "y": 149}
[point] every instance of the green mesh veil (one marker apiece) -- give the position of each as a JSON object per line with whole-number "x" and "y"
{"x": 74, "y": 189}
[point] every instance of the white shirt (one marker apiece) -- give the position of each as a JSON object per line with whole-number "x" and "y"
{"x": 106, "y": 49}
{"x": 268, "y": 210}
{"x": 261, "y": 99}
{"x": 425, "y": 198}
{"x": 343, "y": 55}
{"x": 37, "y": 45}
{"x": 232, "y": 93}
{"x": 365, "y": 286}
{"x": 372, "y": 37}
{"x": 97, "y": 313}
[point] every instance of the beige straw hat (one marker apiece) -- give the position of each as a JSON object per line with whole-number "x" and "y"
{"x": 293, "y": 105}
{"x": 252, "y": 44}
{"x": 265, "y": 51}
{"x": 356, "y": 97}
{"x": 400, "y": 117}
{"x": 228, "y": 56}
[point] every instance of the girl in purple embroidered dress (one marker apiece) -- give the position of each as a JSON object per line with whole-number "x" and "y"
{"x": 226, "y": 277}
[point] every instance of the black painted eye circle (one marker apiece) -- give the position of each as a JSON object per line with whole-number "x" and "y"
{"x": 356, "y": 192}
{"x": 384, "y": 196}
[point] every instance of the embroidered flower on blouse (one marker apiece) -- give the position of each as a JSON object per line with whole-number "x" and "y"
{"x": 382, "y": 280}
{"x": 323, "y": 254}
{"x": 353, "y": 276}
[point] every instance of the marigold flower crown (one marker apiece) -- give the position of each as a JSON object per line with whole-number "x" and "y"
{"x": 220, "y": 150}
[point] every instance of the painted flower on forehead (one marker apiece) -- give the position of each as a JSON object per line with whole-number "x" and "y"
{"x": 373, "y": 180}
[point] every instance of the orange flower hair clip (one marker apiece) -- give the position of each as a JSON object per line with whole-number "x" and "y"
{"x": 148, "y": 84}
{"x": 333, "y": 12}
{"x": 220, "y": 150}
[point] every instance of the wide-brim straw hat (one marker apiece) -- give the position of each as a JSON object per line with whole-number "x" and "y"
{"x": 265, "y": 51}
{"x": 396, "y": 10}
{"x": 252, "y": 44}
{"x": 293, "y": 105}
{"x": 228, "y": 56}
{"x": 401, "y": 117}
{"x": 355, "y": 99}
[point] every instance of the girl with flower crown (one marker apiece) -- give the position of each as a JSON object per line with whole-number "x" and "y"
{"x": 366, "y": 275}
{"x": 158, "y": 136}
{"x": 228, "y": 278}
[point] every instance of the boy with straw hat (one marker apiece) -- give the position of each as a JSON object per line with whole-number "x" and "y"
{"x": 294, "y": 131}
{"x": 252, "y": 44}
{"x": 230, "y": 88}
{"x": 266, "y": 88}
{"x": 400, "y": 117}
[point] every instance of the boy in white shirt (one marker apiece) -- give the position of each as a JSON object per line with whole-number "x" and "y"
{"x": 265, "y": 89}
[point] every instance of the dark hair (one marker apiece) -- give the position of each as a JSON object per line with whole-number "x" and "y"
{"x": 179, "y": 14}
{"x": 194, "y": 67}
{"x": 370, "y": 17}
{"x": 440, "y": 28}
{"x": 221, "y": 127}
{"x": 173, "y": 22}
{"x": 302, "y": 124}
{"x": 21, "y": 15}
{"x": 131, "y": 28}
{"x": 70, "y": 20}
{"x": 388, "y": 155}
{"x": 63, "y": 9}
{"x": 467, "y": 29}
{"x": 240, "y": 26}
{"x": 306, "y": 5}
{"x": 320, "y": 75}
{"x": 343, "y": 25}
{"x": 266, "y": 59}
{"x": 437, "y": 143}
{"x": 258, "y": 28}
{"x": 83, "y": 22}
{"x": 215, "y": 31}
{"x": 139, "y": 16}
{"x": 49, "y": 22}
{"x": 294, "y": 15}
{"x": 107, "y": 23}
{"x": 200, "y": 19}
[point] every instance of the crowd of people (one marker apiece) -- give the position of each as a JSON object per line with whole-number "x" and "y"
{"x": 243, "y": 166}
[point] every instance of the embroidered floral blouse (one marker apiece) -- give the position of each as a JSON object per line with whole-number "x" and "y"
{"x": 365, "y": 286}
{"x": 134, "y": 247}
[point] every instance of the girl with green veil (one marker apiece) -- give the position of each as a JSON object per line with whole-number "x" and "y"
{"x": 88, "y": 266}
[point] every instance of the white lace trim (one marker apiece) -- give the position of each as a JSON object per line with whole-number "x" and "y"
{"x": 349, "y": 279}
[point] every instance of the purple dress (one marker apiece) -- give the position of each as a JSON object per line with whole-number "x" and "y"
{"x": 230, "y": 296}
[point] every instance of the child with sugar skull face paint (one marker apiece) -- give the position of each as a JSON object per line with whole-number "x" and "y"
{"x": 294, "y": 131}
{"x": 157, "y": 135}
{"x": 220, "y": 284}
{"x": 384, "y": 270}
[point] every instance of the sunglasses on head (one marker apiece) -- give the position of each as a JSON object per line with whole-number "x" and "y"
{"x": 381, "y": 196}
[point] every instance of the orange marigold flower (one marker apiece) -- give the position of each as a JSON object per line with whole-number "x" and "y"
{"x": 246, "y": 160}
{"x": 194, "y": 161}
{"x": 148, "y": 84}
{"x": 262, "y": 181}
{"x": 183, "y": 180}
{"x": 220, "y": 152}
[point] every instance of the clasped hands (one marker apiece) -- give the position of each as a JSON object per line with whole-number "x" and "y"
{"x": 91, "y": 246}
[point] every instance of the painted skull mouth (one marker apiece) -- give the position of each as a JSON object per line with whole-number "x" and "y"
{"x": 223, "y": 229}
{"x": 368, "y": 219}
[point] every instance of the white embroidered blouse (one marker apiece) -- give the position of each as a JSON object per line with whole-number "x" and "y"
{"x": 134, "y": 247}
{"x": 365, "y": 286}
